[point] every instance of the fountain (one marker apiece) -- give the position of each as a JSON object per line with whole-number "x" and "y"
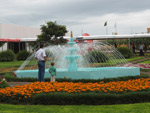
{"x": 72, "y": 66}
{"x": 74, "y": 61}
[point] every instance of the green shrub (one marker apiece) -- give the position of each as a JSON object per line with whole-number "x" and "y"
{"x": 126, "y": 52}
{"x": 145, "y": 70}
{"x": 96, "y": 56}
{"x": 23, "y": 55}
{"x": 3, "y": 84}
{"x": 8, "y": 55}
{"x": 90, "y": 98}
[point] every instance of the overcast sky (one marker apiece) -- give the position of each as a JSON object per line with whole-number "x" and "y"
{"x": 80, "y": 16}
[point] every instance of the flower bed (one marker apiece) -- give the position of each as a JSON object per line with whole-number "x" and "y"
{"x": 140, "y": 65}
{"x": 27, "y": 92}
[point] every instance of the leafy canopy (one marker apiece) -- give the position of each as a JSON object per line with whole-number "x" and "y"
{"x": 52, "y": 33}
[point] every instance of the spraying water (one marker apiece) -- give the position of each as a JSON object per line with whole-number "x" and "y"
{"x": 97, "y": 55}
{"x": 80, "y": 61}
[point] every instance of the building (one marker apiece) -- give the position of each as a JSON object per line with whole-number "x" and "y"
{"x": 16, "y": 37}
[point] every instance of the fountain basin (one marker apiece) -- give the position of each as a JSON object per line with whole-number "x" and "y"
{"x": 84, "y": 73}
{"x": 72, "y": 57}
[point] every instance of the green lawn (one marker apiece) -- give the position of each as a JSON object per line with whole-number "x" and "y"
{"x": 18, "y": 63}
{"x": 126, "y": 108}
{"x": 10, "y": 64}
{"x": 134, "y": 58}
{"x": 146, "y": 62}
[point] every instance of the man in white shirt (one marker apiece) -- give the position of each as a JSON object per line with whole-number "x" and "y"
{"x": 40, "y": 55}
{"x": 141, "y": 50}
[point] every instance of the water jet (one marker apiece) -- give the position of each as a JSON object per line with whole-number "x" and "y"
{"x": 75, "y": 61}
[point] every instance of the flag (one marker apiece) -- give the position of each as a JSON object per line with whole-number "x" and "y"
{"x": 105, "y": 24}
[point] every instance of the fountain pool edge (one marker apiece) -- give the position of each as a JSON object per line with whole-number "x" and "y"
{"x": 84, "y": 73}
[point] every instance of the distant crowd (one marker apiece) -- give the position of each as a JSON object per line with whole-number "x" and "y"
{"x": 142, "y": 48}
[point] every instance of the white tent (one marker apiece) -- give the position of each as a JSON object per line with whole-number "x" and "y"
{"x": 102, "y": 37}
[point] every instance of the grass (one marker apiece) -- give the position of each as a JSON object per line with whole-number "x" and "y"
{"x": 18, "y": 63}
{"x": 124, "y": 108}
{"x": 134, "y": 58}
{"x": 146, "y": 62}
{"x": 10, "y": 64}
{"x": 117, "y": 61}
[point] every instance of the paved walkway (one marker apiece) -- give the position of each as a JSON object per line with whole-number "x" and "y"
{"x": 13, "y": 84}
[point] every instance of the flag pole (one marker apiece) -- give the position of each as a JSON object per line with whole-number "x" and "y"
{"x": 106, "y": 34}
{"x": 105, "y": 24}
{"x": 115, "y": 26}
{"x": 116, "y": 29}
{"x": 106, "y": 31}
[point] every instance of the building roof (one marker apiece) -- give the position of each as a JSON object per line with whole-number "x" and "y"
{"x": 101, "y": 37}
{"x": 18, "y": 32}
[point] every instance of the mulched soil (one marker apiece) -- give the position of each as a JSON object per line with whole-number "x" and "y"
{"x": 10, "y": 69}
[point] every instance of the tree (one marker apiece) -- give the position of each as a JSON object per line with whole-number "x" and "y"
{"x": 52, "y": 33}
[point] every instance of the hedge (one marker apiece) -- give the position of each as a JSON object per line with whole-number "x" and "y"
{"x": 126, "y": 52}
{"x": 22, "y": 55}
{"x": 8, "y": 55}
{"x": 90, "y": 98}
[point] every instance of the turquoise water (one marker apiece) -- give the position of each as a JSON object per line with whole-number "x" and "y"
{"x": 84, "y": 73}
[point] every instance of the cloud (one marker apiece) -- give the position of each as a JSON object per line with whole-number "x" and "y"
{"x": 135, "y": 21}
{"x": 79, "y": 15}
